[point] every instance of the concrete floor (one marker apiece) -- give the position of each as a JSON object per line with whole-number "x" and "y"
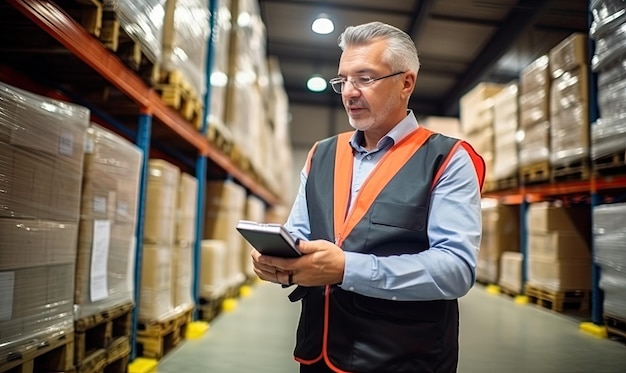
{"x": 497, "y": 336}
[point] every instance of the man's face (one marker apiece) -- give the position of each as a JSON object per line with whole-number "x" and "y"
{"x": 379, "y": 106}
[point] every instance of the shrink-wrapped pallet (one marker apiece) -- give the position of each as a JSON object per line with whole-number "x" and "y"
{"x": 213, "y": 274}
{"x": 41, "y": 161}
{"x": 107, "y": 232}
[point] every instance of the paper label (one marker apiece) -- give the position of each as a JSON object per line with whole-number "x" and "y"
{"x": 99, "y": 204}
{"x": 98, "y": 286}
{"x": 7, "y": 280}
{"x": 66, "y": 144}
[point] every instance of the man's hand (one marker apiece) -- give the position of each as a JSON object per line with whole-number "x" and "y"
{"x": 321, "y": 263}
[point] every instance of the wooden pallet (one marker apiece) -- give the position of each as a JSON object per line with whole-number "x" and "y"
{"x": 578, "y": 170}
{"x": 535, "y": 173}
{"x": 176, "y": 92}
{"x": 559, "y": 300}
{"x": 55, "y": 353}
{"x": 102, "y": 338}
{"x": 509, "y": 291}
{"x": 218, "y": 134}
{"x": 610, "y": 165}
{"x": 86, "y": 12}
{"x": 615, "y": 326}
{"x": 155, "y": 338}
{"x": 210, "y": 308}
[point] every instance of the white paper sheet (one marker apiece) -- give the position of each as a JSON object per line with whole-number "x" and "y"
{"x": 98, "y": 286}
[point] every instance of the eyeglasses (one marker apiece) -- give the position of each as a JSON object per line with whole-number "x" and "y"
{"x": 358, "y": 82}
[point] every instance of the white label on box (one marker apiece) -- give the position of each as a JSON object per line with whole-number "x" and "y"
{"x": 122, "y": 209}
{"x": 98, "y": 286}
{"x": 100, "y": 204}
{"x": 90, "y": 145}
{"x": 7, "y": 280}
{"x": 66, "y": 144}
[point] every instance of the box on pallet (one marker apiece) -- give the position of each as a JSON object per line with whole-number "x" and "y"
{"x": 511, "y": 272}
{"x": 161, "y": 198}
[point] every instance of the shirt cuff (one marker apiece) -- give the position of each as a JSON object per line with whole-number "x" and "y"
{"x": 355, "y": 276}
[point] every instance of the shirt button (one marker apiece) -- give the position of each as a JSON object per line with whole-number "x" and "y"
{"x": 394, "y": 298}
{"x": 369, "y": 157}
{"x": 351, "y": 288}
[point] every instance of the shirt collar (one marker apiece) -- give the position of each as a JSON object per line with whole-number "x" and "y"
{"x": 397, "y": 133}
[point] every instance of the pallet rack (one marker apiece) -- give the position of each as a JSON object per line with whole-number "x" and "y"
{"x": 77, "y": 67}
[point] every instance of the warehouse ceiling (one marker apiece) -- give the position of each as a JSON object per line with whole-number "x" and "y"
{"x": 460, "y": 42}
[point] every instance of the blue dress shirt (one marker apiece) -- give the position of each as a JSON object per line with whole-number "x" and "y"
{"x": 447, "y": 269}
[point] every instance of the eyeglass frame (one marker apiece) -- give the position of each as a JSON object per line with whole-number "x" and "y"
{"x": 361, "y": 85}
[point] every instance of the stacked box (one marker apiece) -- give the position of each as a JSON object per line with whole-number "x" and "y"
{"x": 445, "y": 125}
{"x": 558, "y": 250}
{"x": 185, "y": 38}
{"x": 609, "y": 253}
{"x": 608, "y": 134}
{"x": 105, "y": 262}
{"x": 157, "y": 292}
{"x": 185, "y": 236}
{"x": 534, "y": 93}
{"x": 219, "y": 76}
{"x": 477, "y": 118}
{"x": 41, "y": 163}
{"x": 225, "y": 206}
{"x": 511, "y": 272}
{"x": 146, "y": 30}
{"x": 505, "y": 114}
{"x": 255, "y": 211}
{"x": 500, "y": 234}
{"x": 569, "y": 101}
{"x": 213, "y": 279}
{"x": 281, "y": 156}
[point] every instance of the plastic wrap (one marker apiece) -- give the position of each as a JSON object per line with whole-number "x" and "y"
{"x": 161, "y": 201}
{"x": 535, "y": 144}
{"x": 185, "y": 42}
{"x": 569, "y": 54}
{"x": 182, "y": 275}
{"x": 511, "y": 271}
{"x": 185, "y": 237}
{"x": 608, "y": 135}
{"x": 607, "y": 14}
{"x": 142, "y": 20}
{"x": 612, "y": 91}
{"x": 535, "y": 76}
{"x": 255, "y": 211}
{"x": 220, "y": 74}
{"x": 609, "y": 47}
{"x": 41, "y": 160}
{"x": 213, "y": 275}
{"x": 609, "y": 234}
{"x": 157, "y": 293}
{"x": 107, "y": 239}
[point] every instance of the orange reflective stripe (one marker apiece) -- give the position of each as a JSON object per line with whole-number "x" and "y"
{"x": 479, "y": 163}
{"x": 386, "y": 168}
{"x": 309, "y": 156}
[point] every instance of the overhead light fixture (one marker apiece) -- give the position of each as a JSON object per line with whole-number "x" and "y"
{"x": 323, "y": 25}
{"x": 316, "y": 84}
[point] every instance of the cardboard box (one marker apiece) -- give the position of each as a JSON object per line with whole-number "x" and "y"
{"x": 569, "y": 54}
{"x": 213, "y": 279}
{"x": 511, "y": 272}
{"x": 544, "y": 217}
{"x": 500, "y": 230}
{"x": 156, "y": 282}
{"x": 559, "y": 274}
{"x": 30, "y": 243}
{"x": 557, "y": 246}
{"x": 187, "y": 207}
{"x": 535, "y": 76}
{"x": 161, "y": 198}
{"x": 182, "y": 274}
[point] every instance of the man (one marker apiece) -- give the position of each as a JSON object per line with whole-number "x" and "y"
{"x": 389, "y": 224}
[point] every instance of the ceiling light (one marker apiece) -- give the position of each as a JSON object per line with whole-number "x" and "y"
{"x": 316, "y": 84}
{"x": 323, "y": 25}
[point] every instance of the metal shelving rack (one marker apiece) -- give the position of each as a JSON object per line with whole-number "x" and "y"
{"x": 151, "y": 115}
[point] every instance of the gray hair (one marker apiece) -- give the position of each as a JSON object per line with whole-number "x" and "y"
{"x": 401, "y": 53}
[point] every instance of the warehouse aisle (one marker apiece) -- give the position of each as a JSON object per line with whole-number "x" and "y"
{"x": 496, "y": 336}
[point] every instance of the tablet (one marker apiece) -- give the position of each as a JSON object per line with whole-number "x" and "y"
{"x": 269, "y": 239}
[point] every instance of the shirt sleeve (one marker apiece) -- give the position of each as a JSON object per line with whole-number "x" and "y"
{"x": 447, "y": 269}
{"x": 298, "y": 221}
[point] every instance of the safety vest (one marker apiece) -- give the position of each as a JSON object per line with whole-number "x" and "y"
{"x": 352, "y": 332}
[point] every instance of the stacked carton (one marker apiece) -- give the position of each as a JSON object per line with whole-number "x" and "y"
{"x": 477, "y": 121}
{"x": 255, "y": 211}
{"x": 569, "y": 108}
{"x": 41, "y": 165}
{"x": 225, "y": 206}
{"x": 213, "y": 280}
{"x": 511, "y": 272}
{"x": 500, "y": 234}
{"x": 156, "y": 299}
{"x": 105, "y": 262}
{"x": 608, "y": 133}
{"x": 534, "y": 92}
{"x": 185, "y": 238}
{"x": 558, "y": 251}
{"x": 505, "y": 113}
{"x": 609, "y": 234}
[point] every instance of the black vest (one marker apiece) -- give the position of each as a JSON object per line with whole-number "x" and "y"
{"x": 368, "y": 334}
